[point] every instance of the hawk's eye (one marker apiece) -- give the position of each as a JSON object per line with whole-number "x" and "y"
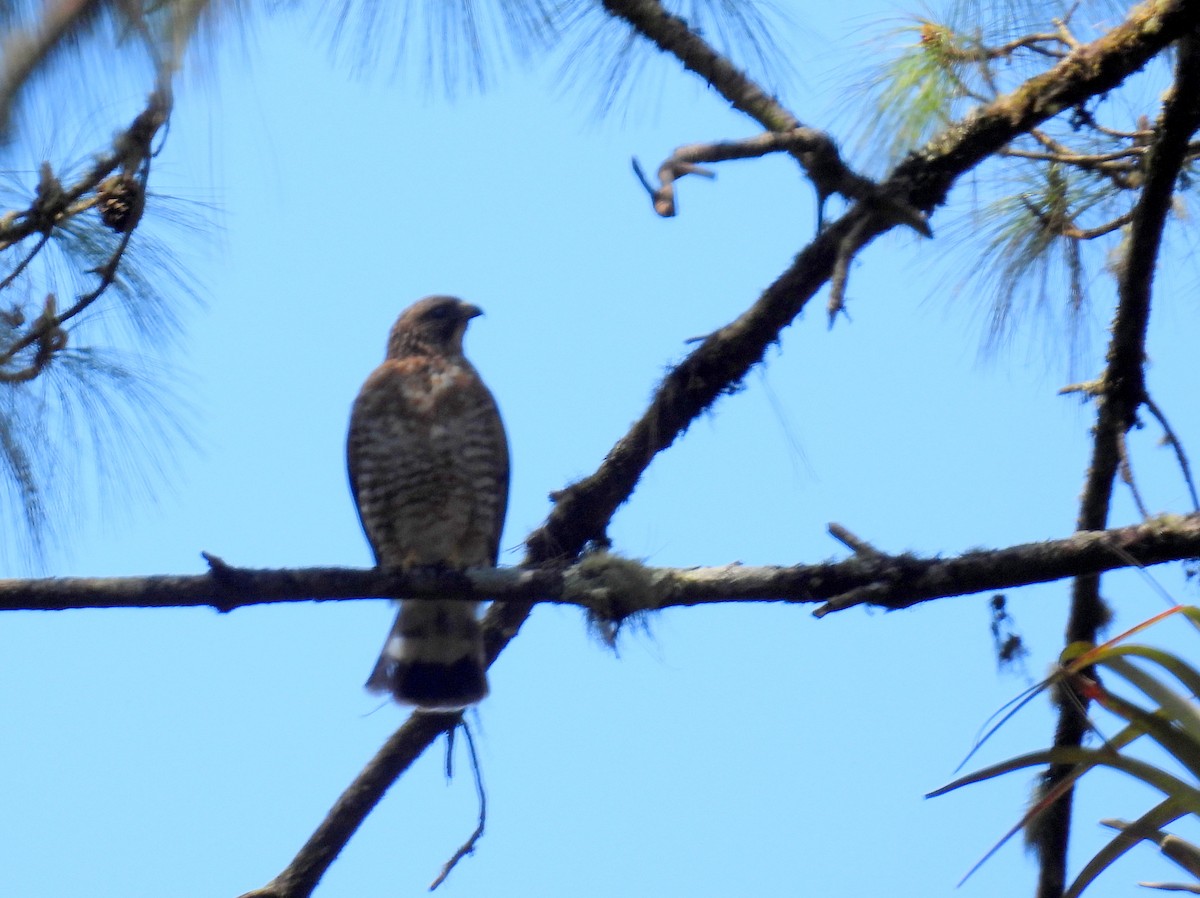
{"x": 440, "y": 313}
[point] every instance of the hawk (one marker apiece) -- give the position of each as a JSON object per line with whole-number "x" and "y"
{"x": 428, "y": 462}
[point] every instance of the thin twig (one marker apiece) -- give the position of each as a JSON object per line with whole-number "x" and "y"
{"x": 855, "y": 543}
{"x": 21, "y": 266}
{"x": 1063, "y": 27}
{"x": 50, "y": 339}
{"x": 688, "y": 159}
{"x": 847, "y": 248}
{"x": 817, "y": 153}
{"x": 46, "y": 330}
{"x": 1189, "y": 887}
{"x": 978, "y": 52}
{"x": 1170, "y": 437}
{"x": 1077, "y": 233}
{"x": 468, "y": 846}
{"x": 108, "y": 275}
{"x": 662, "y": 197}
{"x": 1117, "y": 171}
{"x": 1082, "y": 160}
{"x": 1126, "y": 470}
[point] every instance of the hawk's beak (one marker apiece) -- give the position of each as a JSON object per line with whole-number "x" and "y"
{"x": 469, "y": 311}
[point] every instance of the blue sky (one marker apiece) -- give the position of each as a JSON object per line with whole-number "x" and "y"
{"x": 732, "y": 750}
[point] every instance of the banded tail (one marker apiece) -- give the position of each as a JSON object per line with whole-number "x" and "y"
{"x": 433, "y": 657}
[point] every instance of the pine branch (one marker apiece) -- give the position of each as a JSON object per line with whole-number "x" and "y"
{"x": 612, "y": 587}
{"x": 24, "y": 52}
{"x": 672, "y": 35}
{"x": 1090, "y": 70}
{"x": 301, "y": 876}
{"x": 1121, "y": 392}
{"x": 724, "y": 358}
{"x": 129, "y": 150}
{"x": 815, "y": 150}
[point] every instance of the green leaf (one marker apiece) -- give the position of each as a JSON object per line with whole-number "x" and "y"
{"x": 1145, "y": 827}
{"x": 1178, "y": 707}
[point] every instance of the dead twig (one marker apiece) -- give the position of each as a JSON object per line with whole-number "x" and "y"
{"x": 847, "y": 247}
{"x": 816, "y": 145}
{"x": 1125, "y": 468}
{"x": 468, "y": 847}
{"x": 815, "y": 150}
{"x": 856, "y": 544}
{"x": 1171, "y": 439}
{"x": 21, "y": 266}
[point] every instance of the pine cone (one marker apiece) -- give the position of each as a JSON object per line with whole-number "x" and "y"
{"x": 121, "y": 202}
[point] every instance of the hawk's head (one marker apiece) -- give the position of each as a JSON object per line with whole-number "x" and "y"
{"x": 433, "y": 326}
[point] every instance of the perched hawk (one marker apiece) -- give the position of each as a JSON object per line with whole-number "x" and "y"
{"x": 428, "y": 463}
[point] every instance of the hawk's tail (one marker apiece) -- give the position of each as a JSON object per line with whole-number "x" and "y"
{"x": 433, "y": 657}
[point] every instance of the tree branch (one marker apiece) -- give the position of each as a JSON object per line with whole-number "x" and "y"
{"x": 723, "y": 359}
{"x": 129, "y": 149}
{"x": 301, "y": 876}
{"x": 1122, "y": 391}
{"x": 612, "y": 587}
{"x": 23, "y": 52}
{"x": 672, "y": 35}
{"x": 815, "y": 150}
{"x": 1090, "y": 69}
{"x": 121, "y": 197}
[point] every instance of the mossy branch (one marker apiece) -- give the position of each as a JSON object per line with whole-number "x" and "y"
{"x": 612, "y": 587}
